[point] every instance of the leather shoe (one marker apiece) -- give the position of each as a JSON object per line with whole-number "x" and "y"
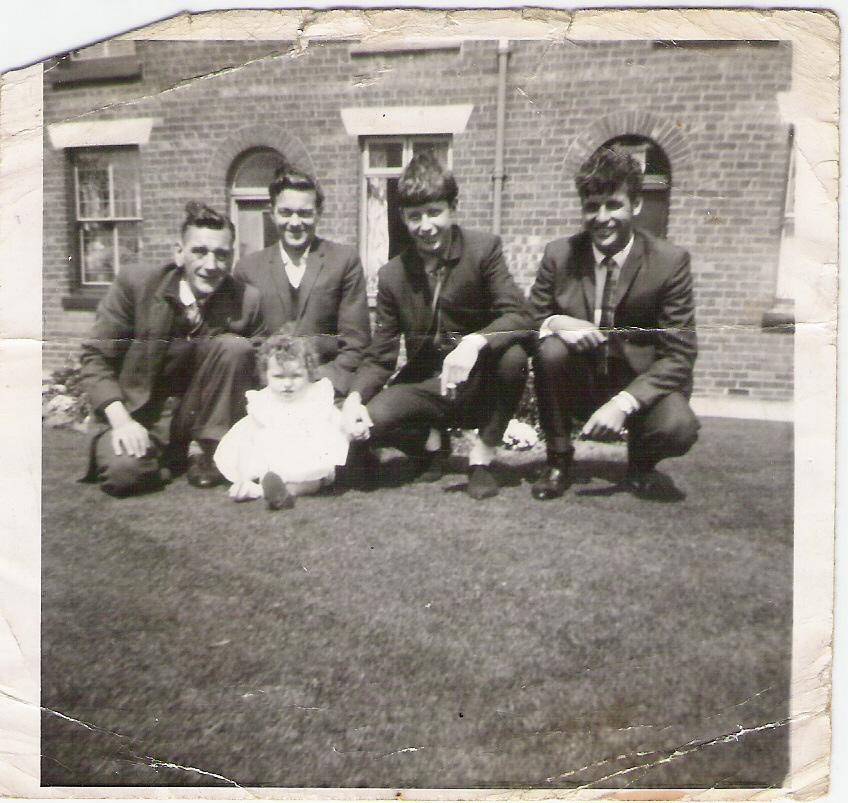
{"x": 482, "y": 484}
{"x": 553, "y": 482}
{"x": 429, "y": 467}
{"x": 202, "y": 472}
{"x": 653, "y": 485}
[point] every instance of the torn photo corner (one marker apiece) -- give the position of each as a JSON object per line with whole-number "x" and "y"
{"x": 409, "y": 640}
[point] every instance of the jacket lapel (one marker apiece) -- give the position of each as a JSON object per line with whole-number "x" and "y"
{"x": 314, "y": 264}
{"x": 281, "y": 282}
{"x": 586, "y": 266}
{"x": 629, "y": 270}
{"x": 161, "y": 321}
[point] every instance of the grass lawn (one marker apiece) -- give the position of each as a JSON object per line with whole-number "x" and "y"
{"x": 411, "y": 637}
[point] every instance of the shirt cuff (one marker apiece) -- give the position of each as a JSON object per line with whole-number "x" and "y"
{"x": 626, "y": 402}
{"x": 477, "y": 339}
{"x": 545, "y": 328}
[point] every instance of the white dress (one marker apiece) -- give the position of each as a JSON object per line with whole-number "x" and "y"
{"x": 301, "y": 440}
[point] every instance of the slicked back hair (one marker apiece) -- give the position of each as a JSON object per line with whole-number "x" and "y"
{"x": 284, "y": 346}
{"x": 606, "y": 170}
{"x": 201, "y": 216}
{"x": 425, "y": 180}
{"x": 292, "y": 178}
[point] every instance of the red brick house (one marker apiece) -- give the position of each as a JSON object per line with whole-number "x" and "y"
{"x": 133, "y": 129}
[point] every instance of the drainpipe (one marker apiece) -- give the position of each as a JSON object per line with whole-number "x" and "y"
{"x": 503, "y": 56}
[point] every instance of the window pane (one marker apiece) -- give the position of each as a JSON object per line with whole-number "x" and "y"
{"x": 93, "y": 187}
{"x": 98, "y": 253}
{"x": 129, "y": 241}
{"x": 385, "y": 154}
{"x": 124, "y": 185}
{"x": 257, "y": 169}
{"x": 439, "y": 148}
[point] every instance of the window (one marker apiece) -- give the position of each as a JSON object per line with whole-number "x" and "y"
{"x": 114, "y": 48}
{"x": 107, "y": 196}
{"x": 656, "y": 181}
{"x": 250, "y": 207}
{"x": 384, "y": 234}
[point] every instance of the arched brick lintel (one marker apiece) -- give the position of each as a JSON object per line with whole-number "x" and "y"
{"x": 665, "y": 131}
{"x": 260, "y": 135}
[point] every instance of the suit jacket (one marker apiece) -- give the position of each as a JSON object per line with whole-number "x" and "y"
{"x": 477, "y": 295}
{"x": 135, "y": 323}
{"x": 654, "y": 308}
{"x": 332, "y": 303}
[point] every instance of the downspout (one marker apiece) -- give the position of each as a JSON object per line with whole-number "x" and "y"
{"x": 503, "y": 56}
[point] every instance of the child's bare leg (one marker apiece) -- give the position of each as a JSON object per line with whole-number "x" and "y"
{"x": 305, "y": 488}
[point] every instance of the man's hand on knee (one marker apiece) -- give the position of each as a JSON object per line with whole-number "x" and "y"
{"x": 575, "y": 333}
{"x": 128, "y": 436}
{"x": 356, "y": 421}
{"x": 459, "y": 363}
{"x": 606, "y": 423}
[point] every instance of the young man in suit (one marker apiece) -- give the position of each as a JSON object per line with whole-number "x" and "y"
{"x": 464, "y": 323}
{"x": 182, "y": 331}
{"x": 617, "y": 334}
{"x": 315, "y": 283}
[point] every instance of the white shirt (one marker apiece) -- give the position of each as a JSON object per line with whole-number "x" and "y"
{"x": 601, "y": 274}
{"x": 187, "y": 297}
{"x": 294, "y": 270}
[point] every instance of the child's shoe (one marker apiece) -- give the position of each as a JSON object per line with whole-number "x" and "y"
{"x": 277, "y": 496}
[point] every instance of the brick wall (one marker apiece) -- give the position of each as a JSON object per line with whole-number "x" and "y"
{"x": 713, "y": 109}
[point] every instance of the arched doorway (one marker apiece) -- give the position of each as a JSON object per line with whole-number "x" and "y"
{"x": 250, "y": 211}
{"x": 656, "y": 181}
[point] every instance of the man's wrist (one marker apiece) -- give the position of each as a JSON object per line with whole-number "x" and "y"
{"x": 476, "y": 340}
{"x": 626, "y": 402}
{"x": 117, "y": 414}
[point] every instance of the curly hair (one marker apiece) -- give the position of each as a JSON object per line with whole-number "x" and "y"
{"x": 606, "y": 170}
{"x": 425, "y": 180}
{"x": 201, "y": 216}
{"x": 284, "y": 346}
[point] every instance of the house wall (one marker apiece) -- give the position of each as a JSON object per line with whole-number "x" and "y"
{"x": 711, "y": 107}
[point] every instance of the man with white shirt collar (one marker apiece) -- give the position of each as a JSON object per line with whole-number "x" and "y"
{"x": 183, "y": 331}
{"x": 617, "y": 337}
{"x": 317, "y": 284}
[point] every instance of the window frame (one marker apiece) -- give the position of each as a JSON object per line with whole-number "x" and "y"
{"x": 111, "y": 218}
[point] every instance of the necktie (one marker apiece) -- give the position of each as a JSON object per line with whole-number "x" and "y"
{"x": 607, "y": 313}
{"x": 435, "y": 277}
{"x": 194, "y": 317}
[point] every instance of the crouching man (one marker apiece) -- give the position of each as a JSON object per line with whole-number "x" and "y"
{"x": 617, "y": 334}
{"x": 176, "y": 331}
{"x": 464, "y": 323}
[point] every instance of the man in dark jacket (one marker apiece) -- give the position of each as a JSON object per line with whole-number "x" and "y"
{"x": 314, "y": 283}
{"x": 617, "y": 334}
{"x": 176, "y": 331}
{"x": 464, "y": 323}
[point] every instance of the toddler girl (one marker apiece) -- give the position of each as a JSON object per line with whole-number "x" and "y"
{"x": 291, "y": 439}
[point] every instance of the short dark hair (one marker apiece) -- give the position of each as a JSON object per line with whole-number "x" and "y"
{"x": 425, "y": 180}
{"x": 292, "y": 178}
{"x": 201, "y": 216}
{"x": 285, "y": 346}
{"x": 606, "y": 170}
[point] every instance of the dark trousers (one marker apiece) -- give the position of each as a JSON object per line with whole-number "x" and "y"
{"x": 568, "y": 386}
{"x": 209, "y": 376}
{"x": 486, "y": 401}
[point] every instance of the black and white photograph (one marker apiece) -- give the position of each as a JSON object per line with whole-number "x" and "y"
{"x": 432, "y": 402}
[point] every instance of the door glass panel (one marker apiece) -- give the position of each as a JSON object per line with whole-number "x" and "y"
{"x": 385, "y": 154}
